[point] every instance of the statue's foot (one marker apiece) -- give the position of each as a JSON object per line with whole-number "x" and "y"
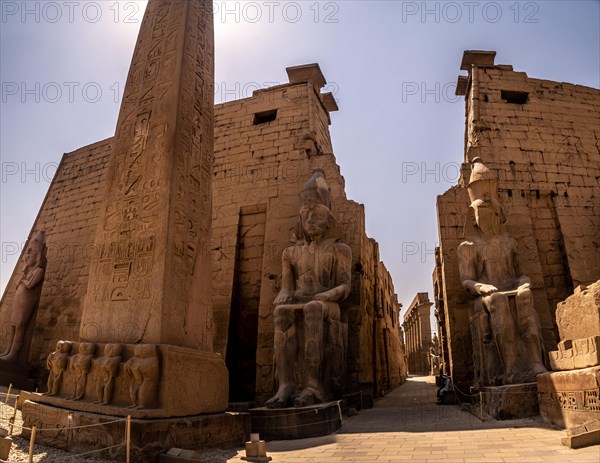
{"x": 277, "y": 402}
{"x": 280, "y": 400}
{"x": 309, "y": 396}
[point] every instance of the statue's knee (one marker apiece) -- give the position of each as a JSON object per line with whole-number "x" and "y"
{"x": 524, "y": 296}
{"x": 499, "y": 298}
{"x": 282, "y": 316}
{"x": 281, "y": 311}
{"x": 313, "y": 310}
{"x": 498, "y": 301}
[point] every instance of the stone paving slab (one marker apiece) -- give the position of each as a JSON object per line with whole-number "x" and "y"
{"x": 407, "y": 425}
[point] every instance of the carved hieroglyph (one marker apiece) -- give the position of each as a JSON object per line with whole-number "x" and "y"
{"x": 27, "y": 296}
{"x": 309, "y": 337}
{"x": 150, "y": 276}
{"x": 505, "y": 327}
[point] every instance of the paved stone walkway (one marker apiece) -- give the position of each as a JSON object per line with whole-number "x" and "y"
{"x": 407, "y": 425}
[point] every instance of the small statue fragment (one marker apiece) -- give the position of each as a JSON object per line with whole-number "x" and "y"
{"x": 57, "y": 363}
{"x": 144, "y": 371}
{"x": 82, "y": 364}
{"x": 108, "y": 368}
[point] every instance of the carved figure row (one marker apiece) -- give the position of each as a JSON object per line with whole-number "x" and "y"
{"x": 143, "y": 370}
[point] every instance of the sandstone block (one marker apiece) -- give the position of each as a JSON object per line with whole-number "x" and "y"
{"x": 579, "y": 315}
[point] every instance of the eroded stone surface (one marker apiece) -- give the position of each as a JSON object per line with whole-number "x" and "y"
{"x": 511, "y": 401}
{"x": 579, "y": 315}
{"x": 570, "y": 398}
{"x": 184, "y": 382}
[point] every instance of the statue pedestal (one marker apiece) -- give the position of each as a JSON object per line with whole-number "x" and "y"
{"x": 570, "y": 398}
{"x": 296, "y": 423}
{"x": 510, "y": 401}
{"x": 186, "y": 408}
{"x": 191, "y": 382}
{"x": 149, "y": 437}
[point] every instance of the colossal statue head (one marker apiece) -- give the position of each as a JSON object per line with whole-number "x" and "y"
{"x": 315, "y": 207}
{"x": 485, "y": 209}
{"x": 35, "y": 254}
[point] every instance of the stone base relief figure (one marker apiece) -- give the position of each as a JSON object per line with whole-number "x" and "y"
{"x": 309, "y": 341}
{"x": 57, "y": 363}
{"x": 27, "y": 295}
{"x": 82, "y": 364}
{"x": 144, "y": 369}
{"x": 505, "y": 327}
{"x": 107, "y": 368}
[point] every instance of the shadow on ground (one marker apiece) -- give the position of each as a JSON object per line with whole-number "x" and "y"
{"x": 411, "y": 407}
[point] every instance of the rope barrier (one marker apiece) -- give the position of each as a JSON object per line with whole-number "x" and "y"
{"x": 77, "y": 455}
{"x": 313, "y": 411}
{"x": 34, "y": 430}
{"x": 307, "y": 424}
{"x": 66, "y": 428}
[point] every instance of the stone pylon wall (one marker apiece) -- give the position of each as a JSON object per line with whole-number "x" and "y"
{"x": 69, "y": 214}
{"x": 543, "y": 139}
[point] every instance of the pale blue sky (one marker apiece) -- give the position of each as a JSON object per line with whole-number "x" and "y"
{"x": 391, "y": 64}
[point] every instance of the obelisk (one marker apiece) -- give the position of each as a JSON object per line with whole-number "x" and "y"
{"x": 147, "y": 308}
{"x": 144, "y": 349}
{"x": 150, "y": 276}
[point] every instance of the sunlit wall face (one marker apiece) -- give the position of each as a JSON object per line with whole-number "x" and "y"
{"x": 392, "y": 66}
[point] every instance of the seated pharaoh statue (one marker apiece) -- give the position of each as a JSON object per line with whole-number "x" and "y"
{"x": 505, "y": 328}
{"x": 310, "y": 338}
